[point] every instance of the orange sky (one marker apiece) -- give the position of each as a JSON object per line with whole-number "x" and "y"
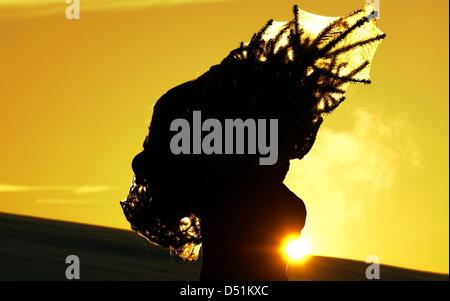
{"x": 77, "y": 97}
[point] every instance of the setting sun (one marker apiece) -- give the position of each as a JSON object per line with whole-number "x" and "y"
{"x": 296, "y": 248}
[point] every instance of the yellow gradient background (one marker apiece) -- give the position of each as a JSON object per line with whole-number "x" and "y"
{"x": 77, "y": 96}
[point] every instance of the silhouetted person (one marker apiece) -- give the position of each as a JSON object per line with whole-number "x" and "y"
{"x": 236, "y": 208}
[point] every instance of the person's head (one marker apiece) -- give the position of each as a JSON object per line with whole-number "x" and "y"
{"x": 286, "y": 72}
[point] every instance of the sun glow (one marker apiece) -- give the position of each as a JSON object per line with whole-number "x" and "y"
{"x": 296, "y": 248}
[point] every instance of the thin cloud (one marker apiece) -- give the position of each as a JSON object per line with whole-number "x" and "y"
{"x": 84, "y": 189}
{"x": 92, "y": 189}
